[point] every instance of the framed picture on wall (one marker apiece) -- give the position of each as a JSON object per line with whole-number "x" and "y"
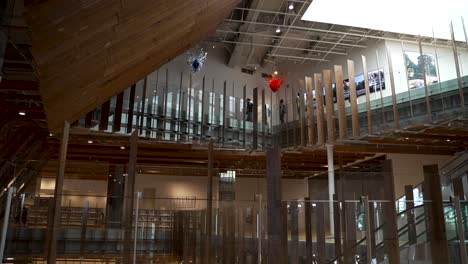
{"x": 414, "y": 70}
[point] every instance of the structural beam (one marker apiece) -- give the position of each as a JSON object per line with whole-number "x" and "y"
{"x": 56, "y": 212}
{"x": 353, "y": 100}
{"x": 329, "y": 105}
{"x": 310, "y": 111}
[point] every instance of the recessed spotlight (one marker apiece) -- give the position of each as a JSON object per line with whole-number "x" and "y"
{"x": 406, "y": 138}
{"x": 90, "y": 141}
{"x": 448, "y": 140}
{"x": 122, "y": 147}
{"x": 275, "y": 72}
{"x": 51, "y": 135}
{"x": 291, "y": 6}
{"x": 22, "y": 113}
{"x": 214, "y": 46}
{"x": 278, "y": 30}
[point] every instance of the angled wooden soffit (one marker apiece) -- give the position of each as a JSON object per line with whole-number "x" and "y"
{"x": 87, "y": 51}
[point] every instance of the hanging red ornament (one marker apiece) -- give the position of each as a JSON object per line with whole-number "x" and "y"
{"x": 274, "y": 82}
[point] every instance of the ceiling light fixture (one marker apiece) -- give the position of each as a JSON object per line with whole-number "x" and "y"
{"x": 22, "y": 113}
{"x": 276, "y": 72}
{"x": 90, "y": 141}
{"x": 448, "y": 140}
{"x": 122, "y": 147}
{"x": 278, "y": 30}
{"x": 291, "y": 6}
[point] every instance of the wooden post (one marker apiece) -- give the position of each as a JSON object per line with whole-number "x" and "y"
{"x": 407, "y": 78}
{"x": 180, "y": 104}
{"x": 143, "y": 105}
{"x": 189, "y": 111}
{"x": 129, "y": 192}
{"x": 310, "y": 111}
{"x": 89, "y": 119}
{"x": 255, "y": 119}
{"x": 366, "y": 85}
{"x": 396, "y": 120}
{"x": 410, "y": 214}
{"x": 329, "y": 106}
{"x": 457, "y": 70}
{"x": 435, "y": 210}
{"x": 426, "y": 88}
{"x": 308, "y": 229}
{"x": 244, "y": 116}
{"x": 165, "y": 91}
{"x": 118, "y": 113}
{"x": 457, "y": 184}
{"x": 350, "y": 221}
{"x": 275, "y": 225}
{"x": 302, "y": 118}
{"x": 105, "y": 110}
{"x": 337, "y": 229}
{"x": 390, "y": 230}
{"x": 131, "y": 107}
{"x": 342, "y": 127}
{"x": 321, "y": 247}
{"x": 264, "y": 120}
{"x": 319, "y": 107}
{"x": 353, "y": 100}
{"x": 209, "y": 203}
{"x": 224, "y": 113}
{"x": 56, "y": 209}
{"x": 294, "y": 210}
{"x": 203, "y": 119}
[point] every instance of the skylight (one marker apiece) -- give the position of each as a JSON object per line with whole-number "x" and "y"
{"x": 415, "y": 17}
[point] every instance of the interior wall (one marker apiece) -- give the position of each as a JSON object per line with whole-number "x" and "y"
{"x": 408, "y": 169}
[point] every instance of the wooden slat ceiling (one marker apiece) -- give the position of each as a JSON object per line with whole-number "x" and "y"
{"x": 87, "y": 51}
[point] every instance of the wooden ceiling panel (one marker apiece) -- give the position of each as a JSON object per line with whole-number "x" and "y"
{"x": 87, "y": 51}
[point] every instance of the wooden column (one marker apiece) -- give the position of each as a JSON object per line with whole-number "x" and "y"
{"x": 89, "y": 119}
{"x": 366, "y": 85}
{"x": 321, "y": 246}
{"x": 203, "y": 119}
{"x": 131, "y": 107}
{"x": 435, "y": 211}
{"x": 209, "y": 203}
{"x": 350, "y": 221}
{"x": 275, "y": 224}
{"x": 308, "y": 229}
{"x": 302, "y": 119}
{"x": 118, "y": 113}
{"x": 457, "y": 69}
{"x": 457, "y": 184}
{"x": 337, "y": 224}
{"x": 372, "y": 214}
{"x": 294, "y": 212}
{"x": 329, "y": 105}
{"x": 310, "y": 111}
{"x": 255, "y": 119}
{"x": 244, "y": 117}
{"x": 56, "y": 209}
{"x": 224, "y": 113}
{"x": 390, "y": 230}
{"x": 264, "y": 120}
{"x": 143, "y": 105}
{"x": 342, "y": 127}
{"x": 396, "y": 121}
{"x": 129, "y": 195}
{"x": 179, "y": 108}
{"x": 410, "y": 214}
{"x": 353, "y": 100}
{"x": 189, "y": 111}
{"x": 105, "y": 110}
{"x": 319, "y": 107}
{"x": 426, "y": 88}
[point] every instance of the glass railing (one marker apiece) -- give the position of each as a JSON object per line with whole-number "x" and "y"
{"x": 166, "y": 230}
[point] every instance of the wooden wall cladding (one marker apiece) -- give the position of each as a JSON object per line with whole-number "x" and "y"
{"x": 87, "y": 51}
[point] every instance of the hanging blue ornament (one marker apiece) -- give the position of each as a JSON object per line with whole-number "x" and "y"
{"x": 196, "y": 59}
